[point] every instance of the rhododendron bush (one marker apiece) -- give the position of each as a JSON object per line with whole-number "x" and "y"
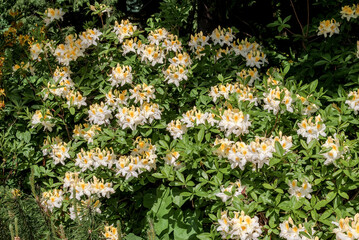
{"x": 115, "y": 130}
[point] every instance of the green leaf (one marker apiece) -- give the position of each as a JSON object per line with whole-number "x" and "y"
{"x": 132, "y": 236}
{"x": 200, "y": 135}
{"x": 267, "y": 186}
{"x": 273, "y": 161}
{"x": 343, "y": 194}
{"x": 72, "y": 110}
{"x": 27, "y": 136}
{"x": 286, "y": 206}
{"x": 180, "y": 176}
{"x": 148, "y": 200}
{"x": 320, "y": 204}
{"x": 331, "y": 196}
{"x": 204, "y": 236}
{"x": 278, "y": 148}
{"x": 313, "y": 85}
{"x": 326, "y": 214}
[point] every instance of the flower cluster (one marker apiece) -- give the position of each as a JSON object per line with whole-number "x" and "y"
{"x": 133, "y": 116}
{"x": 90, "y": 37}
{"x": 62, "y": 85}
{"x": 35, "y": 50}
{"x": 44, "y": 119}
{"x": 176, "y": 129}
{"x": 152, "y": 54}
{"x": 171, "y": 43}
{"x": 77, "y": 187}
{"x": 222, "y": 36}
{"x": 53, "y": 14}
{"x": 245, "y": 93}
{"x": 221, "y": 91}
{"x": 131, "y": 45}
{"x": 272, "y": 100}
{"x": 328, "y": 27}
{"x": 181, "y": 59}
{"x": 350, "y": 12}
{"x": 233, "y": 190}
{"x": 353, "y": 101}
{"x": 171, "y": 159}
{"x": 143, "y": 157}
{"x": 175, "y": 74}
{"x": 76, "y": 99}
{"x": 244, "y": 47}
{"x": 250, "y": 51}
{"x": 116, "y": 98}
{"x": 142, "y": 92}
{"x": 197, "y": 44}
{"x": 302, "y": 191}
{"x": 52, "y": 199}
{"x": 95, "y": 158}
{"x": 312, "y": 130}
{"x": 191, "y": 118}
{"x": 251, "y": 74}
{"x": 160, "y": 42}
{"x": 75, "y": 47}
{"x": 289, "y": 231}
{"x": 110, "y": 233}
{"x": 86, "y": 132}
{"x": 23, "y": 66}
{"x": 121, "y": 75}
{"x": 123, "y": 30}
{"x": 256, "y": 59}
{"x": 332, "y": 144}
{"x": 258, "y": 152}
{"x": 309, "y": 108}
{"x": 99, "y": 114}
{"x": 59, "y": 152}
{"x": 195, "y": 117}
{"x": 234, "y": 121}
{"x": 348, "y": 228}
{"x": 155, "y": 37}
{"x": 241, "y": 226}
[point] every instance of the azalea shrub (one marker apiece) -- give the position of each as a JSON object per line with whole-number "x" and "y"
{"x": 124, "y": 131}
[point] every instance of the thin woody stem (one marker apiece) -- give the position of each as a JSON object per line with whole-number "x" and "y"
{"x": 296, "y": 16}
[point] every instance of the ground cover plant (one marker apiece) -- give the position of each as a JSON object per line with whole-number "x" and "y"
{"x": 122, "y": 129}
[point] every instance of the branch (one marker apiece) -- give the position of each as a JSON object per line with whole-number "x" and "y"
{"x": 275, "y": 124}
{"x": 296, "y": 16}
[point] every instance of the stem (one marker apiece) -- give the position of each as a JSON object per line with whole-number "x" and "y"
{"x": 48, "y": 64}
{"x": 32, "y": 86}
{"x": 63, "y": 120}
{"x": 287, "y": 29}
{"x": 275, "y": 124}
{"x": 119, "y": 231}
{"x": 103, "y": 26}
{"x": 58, "y": 26}
{"x": 67, "y": 129}
{"x": 296, "y": 16}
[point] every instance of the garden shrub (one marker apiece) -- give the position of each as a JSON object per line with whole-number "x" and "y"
{"x": 122, "y": 132}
